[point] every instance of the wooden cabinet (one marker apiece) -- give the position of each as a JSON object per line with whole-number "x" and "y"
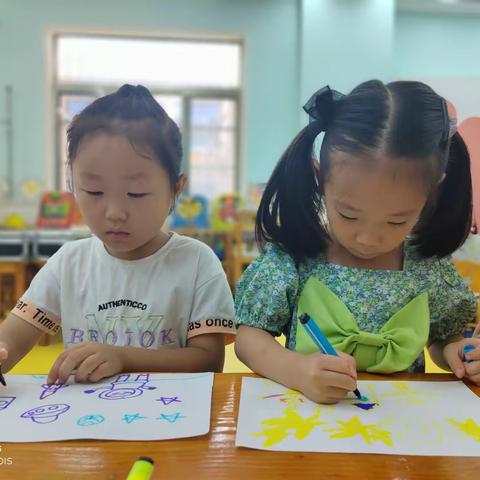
{"x": 13, "y": 283}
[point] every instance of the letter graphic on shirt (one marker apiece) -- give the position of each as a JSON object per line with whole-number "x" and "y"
{"x": 93, "y": 336}
{"x": 111, "y": 337}
{"x": 166, "y": 340}
{"x": 77, "y": 336}
{"x": 125, "y": 330}
{"x": 147, "y": 338}
{"x": 128, "y": 340}
{"x": 155, "y": 321}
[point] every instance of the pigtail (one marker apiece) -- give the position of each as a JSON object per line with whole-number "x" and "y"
{"x": 448, "y": 225}
{"x": 288, "y": 215}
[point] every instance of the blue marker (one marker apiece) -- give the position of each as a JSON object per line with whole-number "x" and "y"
{"x": 321, "y": 341}
{"x": 466, "y": 349}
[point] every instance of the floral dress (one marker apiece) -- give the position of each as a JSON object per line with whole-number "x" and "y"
{"x": 384, "y": 316}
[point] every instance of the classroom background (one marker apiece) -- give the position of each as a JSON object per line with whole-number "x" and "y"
{"x": 233, "y": 74}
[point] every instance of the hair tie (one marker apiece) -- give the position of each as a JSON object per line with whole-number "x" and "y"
{"x": 453, "y": 126}
{"x": 450, "y": 126}
{"x": 320, "y": 108}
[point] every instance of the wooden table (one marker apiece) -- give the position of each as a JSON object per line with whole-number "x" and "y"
{"x": 214, "y": 456}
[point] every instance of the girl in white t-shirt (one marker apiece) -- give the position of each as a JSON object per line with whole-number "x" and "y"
{"x": 132, "y": 297}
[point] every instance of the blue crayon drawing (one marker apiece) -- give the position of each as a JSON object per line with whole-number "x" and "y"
{"x": 171, "y": 418}
{"x": 39, "y": 377}
{"x": 46, "y": 413}
{"x": 132, "y": 417}
{"x": 89, "y": 420}
{"x": 168, "y": 400}
{"x": 51, "y": 389}
{"x": 124, "y": 386}
{"x": 5, "y": 402}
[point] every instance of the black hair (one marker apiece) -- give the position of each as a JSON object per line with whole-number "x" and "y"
{"x": 403, "y": 121}
{"x": 135, "y": 114}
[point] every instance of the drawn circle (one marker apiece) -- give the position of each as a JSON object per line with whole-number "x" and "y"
{"x": 120, "y": 393}
{"x": 89, "y": 420}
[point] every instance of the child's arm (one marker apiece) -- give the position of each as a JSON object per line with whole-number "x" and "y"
{"x": 17, "y": 338}
{"x": 94, "y": 361}
{"x": 322, "y": 378}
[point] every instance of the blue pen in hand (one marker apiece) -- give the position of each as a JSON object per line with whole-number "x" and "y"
{"x": 466, "y": 349}
{"x": 321, "y": 341}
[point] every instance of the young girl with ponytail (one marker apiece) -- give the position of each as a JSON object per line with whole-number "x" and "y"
{"x": 132, "y": 298}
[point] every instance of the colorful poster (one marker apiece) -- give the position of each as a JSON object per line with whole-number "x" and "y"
{"x": 190, "y": 211}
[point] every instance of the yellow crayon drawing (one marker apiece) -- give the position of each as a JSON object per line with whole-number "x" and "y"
{"x": 353, "y": 427}
{"x": 373, "y": 395}
{"x": 403, "y": 391}
{"x": 278, "y": 429}
{"x": 469, "y": 427}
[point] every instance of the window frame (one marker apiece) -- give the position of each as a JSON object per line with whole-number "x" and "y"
{"x": 186, "y": 95}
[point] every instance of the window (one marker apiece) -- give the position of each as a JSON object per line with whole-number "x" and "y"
{"x": 198, "y": 83}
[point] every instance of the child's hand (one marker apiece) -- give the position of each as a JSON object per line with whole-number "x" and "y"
{"x": 92, "y": 361}
{"x": 3, "y": 351}
{"x": 453, "y": 354}
{"x": 326, "y": 378}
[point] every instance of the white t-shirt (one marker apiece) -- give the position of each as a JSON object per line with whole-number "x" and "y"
{"x": 155, "y": 302}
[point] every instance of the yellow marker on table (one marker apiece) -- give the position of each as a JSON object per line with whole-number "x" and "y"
{"x": 142, "y": 469}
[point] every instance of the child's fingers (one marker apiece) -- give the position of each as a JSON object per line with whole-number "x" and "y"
{"x": 474, "y": 354}
{"x": 472, "y": 369}
{"x": 339, "y": 381}
{"x": 66, "y": 363}
{"x": 87, "y": 367}
{"x": 336, "y": 394}
{"x": 455, "y": 363}
{"x": 338, "y": 364}
{"x": 474, "y": 379}
{"x": 53, "y": 373}
{"x": 102, "y": 371}
{"x": 3, "y": 351}
{"x": 351, "y": 362}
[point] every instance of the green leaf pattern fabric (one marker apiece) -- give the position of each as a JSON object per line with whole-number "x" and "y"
{"x": 269, "y": 292}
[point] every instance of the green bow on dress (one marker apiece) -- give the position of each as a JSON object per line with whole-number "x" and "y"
{"x": 393, "y": 349}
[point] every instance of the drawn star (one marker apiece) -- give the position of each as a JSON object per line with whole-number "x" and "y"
{"x": 168, "y": 400}
{"x": 370, "y": 433}
{"x": 469, "y": 427}
{"x": 131, "y": 418}
{"x": 292, "y": 423}
{"x": 172, "y": 418}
